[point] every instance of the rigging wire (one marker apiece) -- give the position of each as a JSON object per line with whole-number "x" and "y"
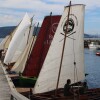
{"x": 74, "y": 62}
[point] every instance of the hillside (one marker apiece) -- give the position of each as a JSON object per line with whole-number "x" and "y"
{"x": 7, "y": 30}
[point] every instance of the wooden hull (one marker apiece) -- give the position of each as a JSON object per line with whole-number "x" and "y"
{"x": 60, "y": 96}
{"x": 84, "y": 97}
{"x": 91, "y": 94}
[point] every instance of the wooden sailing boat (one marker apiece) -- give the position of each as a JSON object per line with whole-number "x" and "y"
{"x": 42, "y": 44}
{"x": 19, "y": 66}
{"x": 19, "y": 41}
{"x": 41, "y": 47}
{"x": 66, "y": 51}
{"x": 21, "y": 62}
{"x": 2, "y": 47}
{"x": 5, "y": 43}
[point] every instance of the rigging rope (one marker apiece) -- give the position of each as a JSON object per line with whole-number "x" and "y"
{"x": 74, "y": 62}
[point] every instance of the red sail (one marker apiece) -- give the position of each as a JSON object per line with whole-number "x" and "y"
{"x": 41, "y": 47}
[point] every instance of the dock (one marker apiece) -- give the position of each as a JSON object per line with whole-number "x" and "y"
{"x": 4, "y": 86}
{"x": 7, "y": 88}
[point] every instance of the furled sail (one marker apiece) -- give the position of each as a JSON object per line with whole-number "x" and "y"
{"x": 21, "y": 62}
{"x": 41, "y": 46}
{"x": 74, "y": 53}
{"x": 22, "y": 45}
{"x": 19, "y": 66}
{"x": 19, "y": 41}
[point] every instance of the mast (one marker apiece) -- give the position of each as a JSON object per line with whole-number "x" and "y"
{"x": 30, "y": 29}
{"x": 33, "y": 40}
{"x": 66, "y": 32}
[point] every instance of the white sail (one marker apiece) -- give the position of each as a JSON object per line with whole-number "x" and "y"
{"x": 17, "y": 44}
{"x": 6, "y": 45}
{"x": 19, "y": 66}
{"x": 3, "y": 42}
{"x": 22, "y": 45}
{"x": 6, "y": 41}
{"x": 74, "y": 51}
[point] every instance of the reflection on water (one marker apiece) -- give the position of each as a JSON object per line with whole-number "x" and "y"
{"x": 92, "y": 67}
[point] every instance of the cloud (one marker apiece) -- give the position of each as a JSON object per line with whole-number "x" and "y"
{"x": 12, "y": 11}
{"x": 17, "y": 8}
{"x": 6, "y": 19}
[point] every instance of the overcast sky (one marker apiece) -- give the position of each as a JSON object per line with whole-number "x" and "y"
{"x": 12, "y": 11}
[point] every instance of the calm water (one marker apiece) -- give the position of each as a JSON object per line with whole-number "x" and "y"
{"x": 92, "y": 67}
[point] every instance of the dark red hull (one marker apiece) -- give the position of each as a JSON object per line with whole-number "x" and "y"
{"x": 98, "y": 53}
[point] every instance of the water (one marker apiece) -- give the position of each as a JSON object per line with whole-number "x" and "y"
{"x": 92, "y": 67}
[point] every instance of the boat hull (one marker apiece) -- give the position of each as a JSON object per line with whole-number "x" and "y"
{"x": 98, "y": 53}
{"x": 94, "y": 45}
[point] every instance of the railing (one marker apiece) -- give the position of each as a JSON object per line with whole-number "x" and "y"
{"x": 14, "y": 94}
{"x": 17, "y": 96}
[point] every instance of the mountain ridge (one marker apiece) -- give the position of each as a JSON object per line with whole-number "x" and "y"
{"x": 4, "y": 31}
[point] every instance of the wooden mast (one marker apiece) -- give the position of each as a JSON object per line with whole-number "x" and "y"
{"x": 33, "y": 40}
{"x": 30, "y": 29}
{"x": 65, "y": 36}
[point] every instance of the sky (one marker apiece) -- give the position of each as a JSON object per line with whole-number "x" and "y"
{"x": 12, "y": 11}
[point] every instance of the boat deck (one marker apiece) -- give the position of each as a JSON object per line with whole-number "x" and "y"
{"x": 4, "y": 86}
{"x": 91, "y": 94}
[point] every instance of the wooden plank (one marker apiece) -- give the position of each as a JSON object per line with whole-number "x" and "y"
{"x": 4, "y": 86}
